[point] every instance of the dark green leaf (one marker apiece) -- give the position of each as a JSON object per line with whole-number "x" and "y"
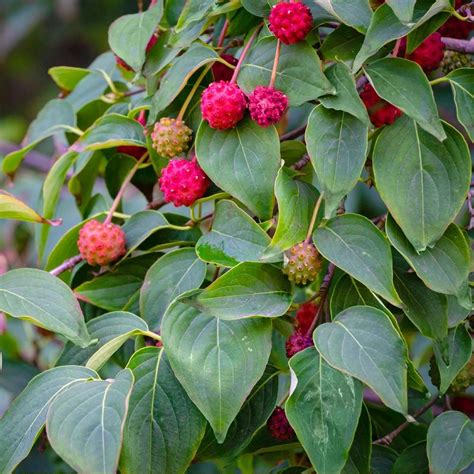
{"x": 383, "y": 459}
{"x": 412, "y": 460}
{"x": 193, "y": 11}
{"x": 342, "y": 44}
{"x": 358, "y": 15}
{"x": 403, "y": 9}
{"x": 462, "y": 83}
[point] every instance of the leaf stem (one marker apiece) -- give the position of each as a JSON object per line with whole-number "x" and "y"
{"x": 244, "y": 54}
{"x": 225, "y": 27}
{"x": 125, "y": 183}
{"x": 275, "y": 65}
{"x": 439, "y": 80}
{"x": 314, "y": 217}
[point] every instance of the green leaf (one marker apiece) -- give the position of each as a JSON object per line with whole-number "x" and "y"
{"x": 342, "y": 44}
{"x": 254, "y": 413}
{"x": 462, "y": 83}
{"x": 323, "y": 408}
{"x": 404, "y": 84}
{"x": 248, "y": 289}
{"x": 456, "y": 313}
{"x": 67, "y": 77}
{"x": 383, "y": 459}
{"x": 217, "y": 362}
{"x": 427, "y": 310}
{"x": 291, "y": 77}
{"x": 347, "y": 98}
{"x": 252, "y": 160}
{"x": 386, "y": 27}
{"x": 444, "y": 268}
{"x": 363, "y": 342}
{"x": 452, "y": 354}
{"x": 337, "y": 145}
{"x": 178, "y": 75}
{"x": 235, "y": 237}
{"x": 56, "y": 116}
{"x": 257, "y": 7}
{"x": 163, "y": 427}
{"x": 129, "y": 35}
{"x": 296, "y": 200}
{"x": 169, "y": 277}
{"x": 44, "y": 300}
{"x": 422, "y": 181}
{"x": 24, "y": 420}
{"x": 450, "y": 443}
{"x": 85, "y": 423}
{"x": 193, "y": 11}
{"x": 358, "y": 15}
{"x": 412, "y": 460}
{"x": 403, "y": 9}
{"x": 103, "y": 328}
{"x": 12, "y": 208}
{"x": 110, "y": 131}
{"x": 357, "y": 246}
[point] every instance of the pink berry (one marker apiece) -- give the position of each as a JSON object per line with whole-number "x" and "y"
{"x": 222, "y": 72}
{"x": 290, "y": 22}
{"x": 297, "y": 342}
{"x": 101, "y": 244}
{"x": 279, "y": 426}
{"x": 223, "y": 105}
{"x": 267, "y": 105}
{"x": 380, "y": 111}
{"x": 183, "y": 181}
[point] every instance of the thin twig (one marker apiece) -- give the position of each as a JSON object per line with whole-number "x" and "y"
{"x": 244, "y": 54}
{"x": 66, "y": 265}
{"x": 275, "y": 65}
{"x": 293, "y": 133}
{"x": 225, "y": 27}
{"x": 459, "y": 45}
{"x": 302, "y": 162}
{"x": 387, "y": 439}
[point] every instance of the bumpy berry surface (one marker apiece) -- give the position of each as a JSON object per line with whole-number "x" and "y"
{"x": 223, "y": 105}
{"x": 279, "y": 426}
{"x": 429, "y": 54}
{"x": 121, "y": 63}
{"x": 267, "y": 105}
{"x": 302, "y": 263}
{"x": 221, "y": 72}
{"x": 297, "y": 342}
{"x": 455, "y": 28}
{"x": 171, "y": 137}
{"x": 101, "y": 244}
{"x": 461, "y": 383}
{"x": 290, "y": 22}
{"x": 305, "y": 316}
{"x": 453, "y": 60}
{"x": 183, "y": 181}
{"x": 135, "y": 151}
{"x": 380, "y": 111}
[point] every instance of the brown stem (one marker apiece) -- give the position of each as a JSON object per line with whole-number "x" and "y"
{"x": 225, "y": 27}
{"x": 156, "y": 204}
{"x": 275, "y": 65}
{"x": 459, "y": 45}
{"x": 119, "y": 196}
{"x": 293, "y": 133}
{"x": 66, "y": 265}
{"x": 130, "y": 93}
{"x": 244, "y": 54}
{"x": 387, "y": 439}
{"x": 302, "y": 162}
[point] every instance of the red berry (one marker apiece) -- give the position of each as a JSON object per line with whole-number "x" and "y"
{"x": 222, "y": 72}
{"x": 455, "y": 28}
{"x": 121, "y": 63}
{"x": 135, "y": 151}
{"x": 297, "y": 342}
{"x": 290, "y": 22}
{"x": 183, "y": 181}
{"x": 223, "y": 105}
{"x": 380, "y": 111}
{"x": 279, "y": 426}
{"x": 267, "y": 105}
{"x": 429, "y": 54}
{"x": 101, "y": 244}
{"x": 305, "y": 316}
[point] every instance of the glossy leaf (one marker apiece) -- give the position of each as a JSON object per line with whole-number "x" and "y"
{"x": 163, "y": 427}
{"x": 44, "y": 300}
{"x": 358, "y": 15}
{"x": 412, "y": 460}
{"x": 217, "y": 362}
{"x": 248, "y": 289}
{"x": 25, "y": 418}
{"x": 450, "y": 443}
{"x": 172, "y": 275}
{"x": 243, "y": 161}
{"x": 358, "y": 247}
{"x": 323, "y": 408}
{"x": 342, "y": 44}
{"x": 422, "y": 181}
{"x": 462, "y": 83}
{"x": 67, "y": 77}
{"x": 85, "y": 423}
{"x": 363, "y": 342}
{"x": 337, "y": 145}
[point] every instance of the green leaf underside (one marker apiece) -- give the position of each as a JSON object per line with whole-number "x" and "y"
{"x": 462, "y": 83}
{"x": 363, "y": 342}
{"x": 323, "y": 408}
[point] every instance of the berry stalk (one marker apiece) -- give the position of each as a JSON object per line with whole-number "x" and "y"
{"x": 221, "y": 39}
{"x": 275, "y": 64}
{"x": 244, "y": 54}
{"x": 313, "y": 217}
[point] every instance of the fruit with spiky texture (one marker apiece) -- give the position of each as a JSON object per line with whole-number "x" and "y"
{"x": 171, "y": 137}
{"x": 223, "y": 105}
{"x": 380, "y": 111}
{"x": 100, "y": 243}
{"x": 297, "y": 342}
{"x": 267, "y": 105}
{"x": 429, "y": 54}
{"x": 305, "y": 316}
{"x": 302, "y": 263}
{"x": 290, "y": 22}
{"x": 183, "y": 181}
{"x": 279, "y": 426}
{"x": 463, "y": 380}
{"x": 453, "y": 60}
{"x": 122, "y": 64}
{"x": 220, "y": 71}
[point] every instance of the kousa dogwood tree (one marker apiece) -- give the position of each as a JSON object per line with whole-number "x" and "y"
{"x": 254, "y": 316}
